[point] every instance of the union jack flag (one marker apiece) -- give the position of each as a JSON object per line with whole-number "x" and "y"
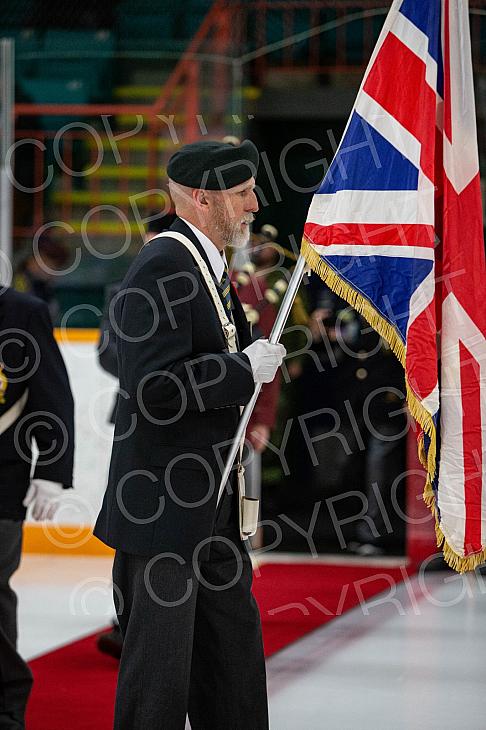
{"x": 396, "y": 229}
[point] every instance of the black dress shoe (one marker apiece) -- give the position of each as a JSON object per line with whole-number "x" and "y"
{"x": 365, "y": 549}
{"x": 111, "y": 642}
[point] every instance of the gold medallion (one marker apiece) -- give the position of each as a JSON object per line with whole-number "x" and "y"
{"x": 3, "y": 383}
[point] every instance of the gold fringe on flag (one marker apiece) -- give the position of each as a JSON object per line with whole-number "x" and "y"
{"x": 419, "y": 413}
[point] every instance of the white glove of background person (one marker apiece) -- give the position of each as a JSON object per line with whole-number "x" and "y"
{"x": 265, "y": 359}
{"x": 44, "y": 496}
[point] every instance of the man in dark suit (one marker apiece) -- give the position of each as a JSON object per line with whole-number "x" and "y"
{"x": 35, "y": 403}
{"x": 182, "y": 575}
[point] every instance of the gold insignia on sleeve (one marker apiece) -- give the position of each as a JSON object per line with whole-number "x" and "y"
{"x": 3, "y": 384}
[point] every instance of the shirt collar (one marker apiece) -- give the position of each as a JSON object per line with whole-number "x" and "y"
{"x": 216, "y": 259}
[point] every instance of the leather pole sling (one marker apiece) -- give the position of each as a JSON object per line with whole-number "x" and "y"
{"x": 14, "y": 412}
{"x": 248, "y": 507}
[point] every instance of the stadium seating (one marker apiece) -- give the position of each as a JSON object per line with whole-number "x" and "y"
{"x": 355, "y": 35}
{"x": 146, "y": 30}
{"x": 148, "y": 6}
{"x": 192, "y": 16}
{"x": 27, "y": 43}
{"x": 54, "y": 91}
{"x": 93, "y": 70}
{"x": 16, "y": 13}
{"x": 38, "y": 59}
{"x": 140, "y": 31}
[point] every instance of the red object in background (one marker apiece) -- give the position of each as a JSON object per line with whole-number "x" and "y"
{"x": 74, "y": 687}
{"x": 421, "y": 540}
{"x": 253, "y": 294}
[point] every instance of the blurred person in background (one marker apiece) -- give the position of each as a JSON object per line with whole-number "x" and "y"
{"x": 35, "y": 404}
{"x": 264, "y": 274}
{"x": 361, "y": 392}
{"x": 260, "y": 303}
{"x": 310, "y": 394}
{"x": 38, "y": 269}
{"x": 334, "y": 329}
{"x": 378, "y": 401}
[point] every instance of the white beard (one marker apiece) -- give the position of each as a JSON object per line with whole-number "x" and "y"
{"x": 240, "y": 238}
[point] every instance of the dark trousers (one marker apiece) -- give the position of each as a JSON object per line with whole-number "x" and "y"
{"x": 15, "y": 676}
{"x": 192, "y": 638}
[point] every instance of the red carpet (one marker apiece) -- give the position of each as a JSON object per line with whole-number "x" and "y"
{"x": 74, "y": 686}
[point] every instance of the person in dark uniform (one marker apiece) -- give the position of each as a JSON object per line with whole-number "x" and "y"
{"x": 378, "y": 399}
{"x": 182, "y": 574}
{"x": 35, "y": 403}
{"x": 362, "y": 390}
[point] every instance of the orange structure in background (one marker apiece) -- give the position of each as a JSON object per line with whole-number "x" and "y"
{"x": 176, "y": 110}
{"x": 202, "y": 96}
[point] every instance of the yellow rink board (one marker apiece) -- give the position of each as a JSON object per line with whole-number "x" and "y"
{"x": 62, "y": 540}
{"x": 73, "y": 334}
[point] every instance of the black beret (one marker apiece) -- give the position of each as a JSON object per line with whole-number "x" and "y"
{"x": 213, "y": 165}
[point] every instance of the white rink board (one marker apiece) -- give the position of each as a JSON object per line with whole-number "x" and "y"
{"x": 94, "y": 395}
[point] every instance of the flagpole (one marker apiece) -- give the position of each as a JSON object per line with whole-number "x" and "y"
{"x": 275, "y": 334}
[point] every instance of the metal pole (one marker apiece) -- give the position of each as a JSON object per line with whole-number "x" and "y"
{"x": 236, "y": 97}
{"x": 277, "y": 329}
{"x": 6, "y": 141}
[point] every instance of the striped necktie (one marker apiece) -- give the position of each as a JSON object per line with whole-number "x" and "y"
{"x": 226, "y": 289}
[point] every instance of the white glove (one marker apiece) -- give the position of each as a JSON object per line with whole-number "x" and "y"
{"x": 265, "y": 359}
{"x": 44, "y": 497}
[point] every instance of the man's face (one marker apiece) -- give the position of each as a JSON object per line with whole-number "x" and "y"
{"x": 232, "y": 212}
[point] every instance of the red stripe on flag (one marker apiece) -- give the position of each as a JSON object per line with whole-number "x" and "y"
{"x": 421, "y": 357}
{"x": 371, "y": 234}
{"x": 472, "y": 449}
{"x": 408, "y": 98}
{"x": 463, "y": 268}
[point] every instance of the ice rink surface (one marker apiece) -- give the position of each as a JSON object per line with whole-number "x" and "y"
{"x": 413, "y": 659}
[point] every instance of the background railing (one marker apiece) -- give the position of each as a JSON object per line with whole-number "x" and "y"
{"x": 91, "y": 150}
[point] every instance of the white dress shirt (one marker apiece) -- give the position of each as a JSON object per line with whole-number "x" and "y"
{"x": 217, "y": 259}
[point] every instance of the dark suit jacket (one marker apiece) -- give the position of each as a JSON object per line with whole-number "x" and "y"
{"x": 30, "y": 358}
{"x": 180, "y": 392}
{"x": 107, "y": 350}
